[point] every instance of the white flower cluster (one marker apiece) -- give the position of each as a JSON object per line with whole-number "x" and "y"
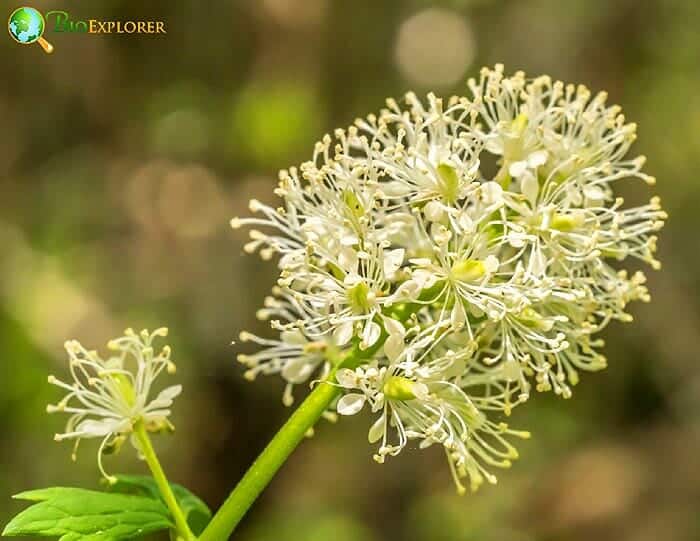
{"x": 462, "y": 251}
{"x": 108, "y": 396}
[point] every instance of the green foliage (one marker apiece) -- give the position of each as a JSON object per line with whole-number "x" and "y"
{"x": 73, "y": 514}
{"x": 195, "y": 510}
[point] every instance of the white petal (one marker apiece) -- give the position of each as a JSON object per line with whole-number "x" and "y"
{"x": 376, "y": 431}
{"x": 537, "y": 158}
{"x": 346, "y": 378}
{"x": 546, "y": 219}
{"x": 438, "y": 154}
{"x": 424, "y": 444}
{"x": 538, "y": 263}
{"x": 394, "y": 327}
{"x": 465, "y": 222}
{"x": 530, "y": 188}
{"x": 573, "y": 194}
{"x": 291, "y": 260}
{"x": 491, "y": 263}
{"x": 473, "y": 169}
{"x": 393, "y": 347}
{"x": 440, "y": 234}
{"x": 347, "y": 259}
{"x": 349, "y": 240}
{"x": 329, "y": 284}
{"x": 298, "y": 370}
{"x": 392, "y": 261}
{"x": 433, "y": 211}
{"x": 517, "y": 168}
{"x": 420, "y": 390}
{"x": 494, "y": 145}
{"x": 425, "y": 277}
{"x": 395, "y": 188}
{"x": 409, "y": 290}
{"x": 295, "y": 337}
{"x": 491, "y": 193}
{"x": 371, "y": 333}
{"x": 351, "y": 403}
{"x": 95, "y": 429}
{"x": 594, "y": 193}
{"x": 458, "y": 316}
{"x": 351, "y": 279}
{"x": 516, "y": 240}
{"x": 343, "y": 333}
{"x": 165, "y": 397}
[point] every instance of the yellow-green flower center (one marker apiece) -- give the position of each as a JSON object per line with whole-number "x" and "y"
{"x": 124, "y": 388}
{"x": 353, "y": 203}
{"x": 513, "y": 143}
{"x": 468, "y": 270}
{"x": 448, "y": 182}
{"x": 358, "y": 297}
{"x": 399, "y": 388}
{"x": 533, "y": 320}
{"x": 566, "y": 222}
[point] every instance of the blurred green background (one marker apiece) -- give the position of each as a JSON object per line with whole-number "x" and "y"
{"x": 123, "y": 158}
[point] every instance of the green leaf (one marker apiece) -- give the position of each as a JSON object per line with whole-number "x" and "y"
{"x": 196, "y": 511}
{"x": 77, "y": 514}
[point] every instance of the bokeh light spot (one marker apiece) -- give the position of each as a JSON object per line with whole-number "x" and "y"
{"x": 435, "y": 47}
{"x": 274, "y": 121}
{"x": 295, "y": 13}
{"x": 186, "y": 201}
{"x": 190, "y": 203}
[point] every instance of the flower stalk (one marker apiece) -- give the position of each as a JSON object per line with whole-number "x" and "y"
{"x": 269, "y": 462}
{"x": 149, "y": 454}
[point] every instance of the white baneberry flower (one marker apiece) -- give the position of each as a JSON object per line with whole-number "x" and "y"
{"x": 293, "y": 356}
{"x": 347, "y": 293}
{"x": 420, "y": 405}
{"x": 426, "y": 156}
{"x": 465, "y": 288}
{"x": 108, "y": 396}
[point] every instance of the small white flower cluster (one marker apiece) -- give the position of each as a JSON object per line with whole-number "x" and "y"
{"x": 108, "y": 396}
{"x": 467, "y": 249}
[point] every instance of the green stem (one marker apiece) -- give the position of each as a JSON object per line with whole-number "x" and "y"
{"x": 269, "y": 462}
{"x": 149, "y": 454}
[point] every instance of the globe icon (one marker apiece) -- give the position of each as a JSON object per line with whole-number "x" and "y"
{"x": 26, "y": 25}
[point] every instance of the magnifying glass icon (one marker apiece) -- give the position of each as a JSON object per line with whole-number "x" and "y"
{"x": 26, "y": 26}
